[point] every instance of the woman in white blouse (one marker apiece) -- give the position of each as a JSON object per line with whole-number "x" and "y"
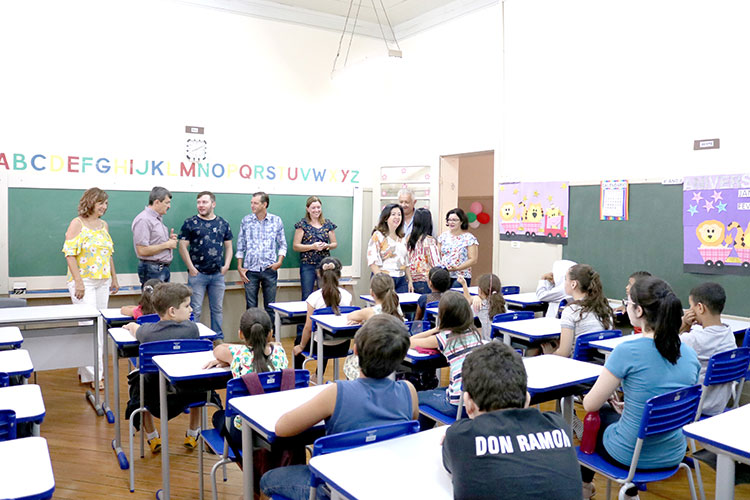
{"x": 386, "y": 250}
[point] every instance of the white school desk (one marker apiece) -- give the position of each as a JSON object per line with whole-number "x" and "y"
{"x": 10, "y": 337}
{"x": 125, "y": 346}
{"x": 53, "y": 351}
{"x": 295, "y": 313}
{"x": 404, "y": 299}
{"x": 606, "y": 346}
{"x": 726, "y": 435}
{"x": 404, "y": 467}
{"x": 16, "y": 362}
{"x": 531, "y": 330}
{"x": 179, "y": 368}
{"x": 25, "y": 469}
{"x": 523, "y": 300}
{"x": 259, "y": 414}
{"x": 111, "y": 317}
{"x": 26, "y": 400}
{"x": 473, "y": 290}
{"x": 336, "y": 326}
{"x": 554, "y": 374}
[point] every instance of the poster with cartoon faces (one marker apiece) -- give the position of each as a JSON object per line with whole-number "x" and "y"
{"x": 534, "y": 211}
{"x": 716, "y": 224}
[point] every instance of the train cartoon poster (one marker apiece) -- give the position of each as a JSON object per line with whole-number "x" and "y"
{"x": 716, "y": 224}
{"x": 534, "y": 211}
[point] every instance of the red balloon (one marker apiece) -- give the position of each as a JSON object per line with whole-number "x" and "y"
{"x": 483, "y": 218}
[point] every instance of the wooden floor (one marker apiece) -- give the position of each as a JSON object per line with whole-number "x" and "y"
{"x": 85, "y": 466}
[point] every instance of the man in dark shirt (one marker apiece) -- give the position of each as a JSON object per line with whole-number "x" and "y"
{"x": 208, "y": 236}
{"x": 506, "y": 450}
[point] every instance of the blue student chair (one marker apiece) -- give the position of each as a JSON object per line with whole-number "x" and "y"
{"x": 355, "y": 439}
{"x": 312, "y": 353}
{"x": 148, "y": 318}
{"x": 664, "y": 413}
{"x": 584, "y": 352}
{"x": 146, "y": 353}
{"x": 7, "y": 425}
{"x": 271, "y": 382}
{"x": 510, "y": 316}
{"x": 510, "y": 290}
{"x": 442, "y": 418}
{"x": 746, "y": 343}
{"x": 418, "y": 326}
{"x": 728, "y": 367}
{"x": 429, "y": 316}
{"x": 563, "y": 303}
{"x": 4, "y": 379}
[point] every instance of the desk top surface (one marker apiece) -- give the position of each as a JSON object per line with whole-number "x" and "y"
{"x": 189, "y": 365}
{"x": 610, "y": 344}
{"x": 264, "y": 410}
{"x": 19, "y": 479}
{"x": 48, "y": 313}
{"x": 334, "y": 322}
{"x": 408, "y": 298}
{"x": 549, "y": 372}
{"x": 413, "y": 465}
{"x": 15, "y": 361}
{"x": 10, "y": 335}
{"x": 726, "y": 431}
{"x": 26, "y": 400}
{"x": 290, "y": 308}
{"x": 530, "y": 327}
{"x": 121, "y": 336}
{"x": 114, "y": 314}
{"x": 473, "y": 290}
{"x": 527, "y": 298}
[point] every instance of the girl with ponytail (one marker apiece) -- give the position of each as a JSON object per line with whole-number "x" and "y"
{"x": 588, "y": 312}
{"x": 487, "y": 303}
{"x": 645, "y": 367}
{"x": 330, "y": 294}
{"x": 386, "y": 300}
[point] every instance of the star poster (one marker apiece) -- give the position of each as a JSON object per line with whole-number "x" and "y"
{"x": 716, "y": 224}
{"x": 534, "y": 211}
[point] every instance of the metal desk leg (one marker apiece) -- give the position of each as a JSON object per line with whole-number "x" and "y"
{"x": 567, "y": 409}
{"x": 105, "y": 406}
{"x": 506, "y": 338}
{"x": 116, "y": 443}
{"x": 247, "y": 460}
{"x": 319, "y": 340}
{"x": 724, "y": 477}
{"x": 94, "y": 397}
{"x": 164, "y": 421}
{"x": 277, "y": 326}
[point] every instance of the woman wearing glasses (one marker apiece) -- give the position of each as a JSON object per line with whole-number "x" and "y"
{"x": 459, "y": 249}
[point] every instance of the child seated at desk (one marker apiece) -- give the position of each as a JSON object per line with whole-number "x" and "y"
{"x": 588, "y": 312}
{"x": 172, "y": 303}
{"x": 631, "y": 280}
{"x": 487, "y": 303}
{"x": 372, "y": 399}
{"x": 551, "y": 286}
{"x": 146, "y": 304}
{"x": 439, "y": 280}
{"x": 704, "y": 332}
{"x": 497, "y": 403}
{"x": 455, "y": 338}
{"x": 256, "y": 331}
{"x": 386, "y": 301}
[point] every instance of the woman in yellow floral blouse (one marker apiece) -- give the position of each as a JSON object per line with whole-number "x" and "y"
{"x": 89, "y": 252}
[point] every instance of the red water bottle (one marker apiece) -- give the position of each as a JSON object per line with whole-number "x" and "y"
{"x": 590, "y": 429}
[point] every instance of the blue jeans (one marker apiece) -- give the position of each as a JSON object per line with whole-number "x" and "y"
{"x": 292, "y": 481}
{"x": 149, "y": 270}
{"x": 437, "y": 399}
{"x": 401, "y": 284}
{"x": 215, "y": 285}
{"x": 265, "y": 279}
{"x": 421, "y": 287}
{"x": 308, "y": 278}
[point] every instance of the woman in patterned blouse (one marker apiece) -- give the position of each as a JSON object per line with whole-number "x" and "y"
{"x": 459, "y": 249}
{"x": 314, "y": 238}
{"x": 424, "y": 253}
{"x": 89, "y": 253}
{"x": 386, "y": 250}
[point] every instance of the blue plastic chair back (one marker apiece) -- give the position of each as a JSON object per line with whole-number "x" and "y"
{"x": 563, "y": 303}
{"x": 7, "y": 425}
{"x": 148, "y": 318}
{"x": 510, "y": 290}
{"x": 669, "y": 411}
{"x": 727, "y": 366}
{"x": 582, "y": 350}
{"x": 512, "y": 316}
{"x": 361, "y": 437}
{"x": 4, "y": 379}
{"x": 271, "y": 382}
{"x": 746, "y": 340}
{"x": 434, "y": 303}
{"x": 418, "y": 326}
{"x": 147, "y": 351}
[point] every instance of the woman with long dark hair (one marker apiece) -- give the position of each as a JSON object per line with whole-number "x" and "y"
{"x": 424, "y": 253}
{"x": 459, "y": 249}
{"x": 386, "y": 251}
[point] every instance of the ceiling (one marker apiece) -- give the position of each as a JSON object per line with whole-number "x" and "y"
{"x": 406, "y": 16}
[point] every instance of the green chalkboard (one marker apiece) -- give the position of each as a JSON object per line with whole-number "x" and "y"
{"x": 38, "y": 218}
{"x": 651, "y": 240}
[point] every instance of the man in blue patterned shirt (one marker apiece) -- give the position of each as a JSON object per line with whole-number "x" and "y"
{"x": 261, "y": 248}
{"x": 208, "y": 236}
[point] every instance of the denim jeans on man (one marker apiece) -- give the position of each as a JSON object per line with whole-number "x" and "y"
{"x": 437, "y": 400}
{"x": 307, "y": 276}
{"x": 149, "y": 270}
{"x": 215, "y": 285}
{"x": 292, "y": 482}
{"x": 265, "y": 280}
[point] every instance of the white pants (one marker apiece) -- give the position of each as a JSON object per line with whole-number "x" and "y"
{"x": 96, "y": 294}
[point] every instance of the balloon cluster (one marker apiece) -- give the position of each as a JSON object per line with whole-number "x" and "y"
{"x": 477, "y": 216}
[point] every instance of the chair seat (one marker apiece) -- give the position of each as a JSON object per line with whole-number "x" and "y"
{"x": 436, "y": 415}
{"x": 215, "y": 441}
{"x": 598, "y": 464}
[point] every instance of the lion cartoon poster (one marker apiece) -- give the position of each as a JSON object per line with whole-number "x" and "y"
{"x": 534, "y": 211}
{"x": 716, "y": 224}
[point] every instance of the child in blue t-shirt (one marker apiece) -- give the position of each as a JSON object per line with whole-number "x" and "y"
{"x": 645, "y": 367}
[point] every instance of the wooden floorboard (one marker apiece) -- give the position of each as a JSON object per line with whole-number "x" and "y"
{"x": 86, "y": 468}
